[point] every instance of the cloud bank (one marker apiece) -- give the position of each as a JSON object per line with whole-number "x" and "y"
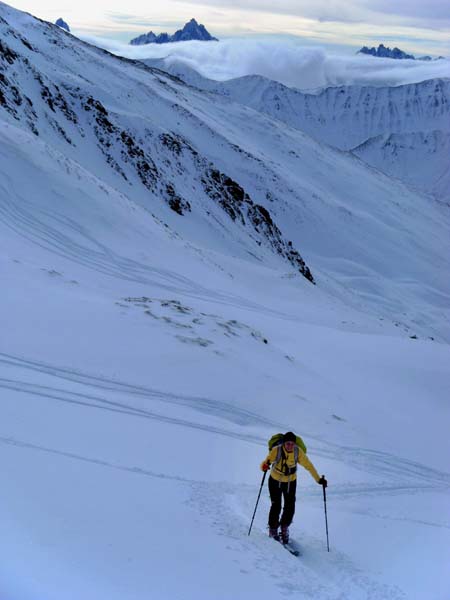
{"x": 284, "y": 61}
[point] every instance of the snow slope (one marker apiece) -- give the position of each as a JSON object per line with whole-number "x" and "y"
{"x": 414, "y": 118}
{"x": 342, "y": 116}
{"x": 422, "y": 159}
{"x": 247, "y": 185}
{"x": 146, "y": 356}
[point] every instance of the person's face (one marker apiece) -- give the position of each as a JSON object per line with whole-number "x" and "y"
{"x": 289, "y": 446}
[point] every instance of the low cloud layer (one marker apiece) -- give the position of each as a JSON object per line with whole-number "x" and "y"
{"x": 283, "y": 61}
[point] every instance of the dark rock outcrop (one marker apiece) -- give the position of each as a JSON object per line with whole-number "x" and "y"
{"x": 61, "y": 23}
{"x": 384, "y": 52}
{"x": 191, "y": 31}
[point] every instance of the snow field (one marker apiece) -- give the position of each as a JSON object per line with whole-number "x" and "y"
{"x": 146, "y": 358}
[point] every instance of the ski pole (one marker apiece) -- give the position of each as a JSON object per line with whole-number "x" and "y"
{"x": 254, "y": 512}
{"x": 326, "y": 519}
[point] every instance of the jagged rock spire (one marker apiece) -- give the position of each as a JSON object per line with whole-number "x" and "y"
{"x": 191, "y": 31}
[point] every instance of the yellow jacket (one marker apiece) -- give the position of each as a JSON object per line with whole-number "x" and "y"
{"x": 289, "y": 459}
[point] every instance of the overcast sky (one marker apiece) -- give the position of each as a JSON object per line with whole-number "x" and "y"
{"x": 418, "y": 26}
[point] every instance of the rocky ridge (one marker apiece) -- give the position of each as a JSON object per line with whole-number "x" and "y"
{"x": 191, "y": 31}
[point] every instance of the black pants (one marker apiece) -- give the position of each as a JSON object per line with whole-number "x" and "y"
{"x": 276, "y": 490}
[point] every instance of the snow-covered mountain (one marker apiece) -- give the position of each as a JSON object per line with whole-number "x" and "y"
{"x": 209, "y": 165}
{"x": 159, "y": 325}
{"x": 415, "y": 118}
{"x": 422, "y": 159}
{"x": 191, "y": 31}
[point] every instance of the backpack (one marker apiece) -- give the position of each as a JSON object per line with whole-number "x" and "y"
{"x": 277, "y": 440}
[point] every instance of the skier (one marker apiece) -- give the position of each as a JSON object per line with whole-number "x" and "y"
{"x": 283, "y": 482}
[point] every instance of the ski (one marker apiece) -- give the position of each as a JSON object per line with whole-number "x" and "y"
{"x": 291, "y": 549}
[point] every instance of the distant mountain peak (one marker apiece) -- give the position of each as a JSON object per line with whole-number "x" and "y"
{"x": 61, "y": 23}
{"x": 192, "y": 30}
{"x": 384, "y": 52}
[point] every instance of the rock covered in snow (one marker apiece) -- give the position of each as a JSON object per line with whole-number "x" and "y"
{"x": 191, "y": 31}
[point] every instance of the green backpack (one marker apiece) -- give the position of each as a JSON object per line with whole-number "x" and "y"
{"x": 277, "y": 440}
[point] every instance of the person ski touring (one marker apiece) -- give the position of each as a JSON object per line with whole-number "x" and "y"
{"x": 283, "y": 458}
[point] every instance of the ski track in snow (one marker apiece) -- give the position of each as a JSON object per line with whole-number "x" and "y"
{"x": 410, "y": 476}
{"x": 75, "y": 404}
{"x": 60, "y": 240}
{"x": 93, "y": 254}
{"x": 309, "y": 575}
{"x": 214, "y": 407}
{"x": 227, "y": 507}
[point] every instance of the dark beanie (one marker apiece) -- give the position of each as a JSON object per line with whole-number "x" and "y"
{"x": 289, "y": 437}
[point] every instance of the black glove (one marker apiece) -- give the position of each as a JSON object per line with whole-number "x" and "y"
{"x": 323, "y": 481}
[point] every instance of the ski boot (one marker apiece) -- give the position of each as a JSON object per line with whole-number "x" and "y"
{"x": 273, "y": 533}
{"x": 285, "y": 534}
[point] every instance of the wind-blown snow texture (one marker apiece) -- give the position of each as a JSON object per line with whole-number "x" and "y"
{"x": 157, "y": 329}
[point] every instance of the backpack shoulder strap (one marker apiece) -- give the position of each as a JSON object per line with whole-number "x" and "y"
{"x": 279, "y": 453}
